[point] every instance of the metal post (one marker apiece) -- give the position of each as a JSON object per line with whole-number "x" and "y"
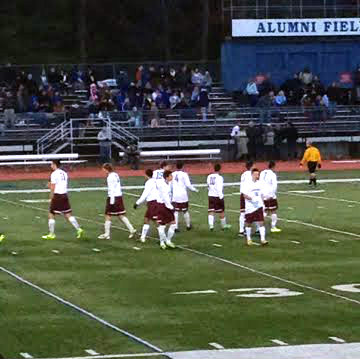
{"x": 71, "y": 136}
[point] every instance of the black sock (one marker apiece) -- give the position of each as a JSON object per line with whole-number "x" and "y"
{"x": 314, "y": 180}
{"x": 310, "y": 181}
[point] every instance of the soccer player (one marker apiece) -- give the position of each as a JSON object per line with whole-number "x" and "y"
{"x": 215, "y": 184}
{"x": 269, "y": 179}
{"x": 2, "y": 237}
{"x": 180, "y": 200}
{"x": 313, "y": 159}
{"x": 254, "y": 206}
{"x": 59, "y": 201}
{"x": 151, "y": 196}
{"x": 114, "y": 203}
{"x": 159, "y": 173}
{"x": 245, "y": 177}
{"x": 165, "y": 212}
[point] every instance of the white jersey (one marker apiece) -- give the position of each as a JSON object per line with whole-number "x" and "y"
{"x": 215, "y": 184}
{"x": 255, "y": 191}
{"x": 245, "y": 178}
{"x": 114, "y": 185}
{"x": 150, "y": 192}
{"x": 269, "y": 178}
{"x": 158, "y": 174}
{"x": 60, "y": 179}
{"x": 179, "y": 185}
{"x": 164, "y": 193}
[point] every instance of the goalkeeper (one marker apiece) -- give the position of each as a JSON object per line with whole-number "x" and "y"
{"x": 313, "y": 159}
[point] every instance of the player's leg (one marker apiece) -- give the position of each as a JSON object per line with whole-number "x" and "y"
{"x": 170, "y": 234}
{"x": 187, "y": 220}
{"x": 262, "y": 231}
{"x": 145, "y": 229}
{"x": 223, "y": 223}
{"x": 242, "y": 216}
{"x": 211, "y": 220}
{"x": 128, "y": 225}
{"x": 162, "y": 235}
{"x": 73, "y": 221}
{"x": 2, "y": 237}
{"x": 176, "y": 215}
{"x": 51, "y": 225}
{"x": 248, "y": 232}
{"x": 107, "y": 228}
{"x": 274, "y": 220}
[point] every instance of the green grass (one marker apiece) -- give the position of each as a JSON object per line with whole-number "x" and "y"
{"x": 134, "y": 289}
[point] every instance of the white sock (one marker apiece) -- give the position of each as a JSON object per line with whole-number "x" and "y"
{"x": 211, "y": 220}
{"x": 162, "y": 235}
{"x": 145, "y": 230}
{"x": 176, "y": 215}
{"x": 74, "y": 222}
{"x": 127, "y": 223}
{"x": 187, "y": 219}
{"x": 273, "y": 220}
{"x": 171, "y": 232}
{"x": 257, "y": 227}
{"x": 262, "y": 233}
{"x": 107, "y": 227}
{"x": 242, "y": 222}
{"x": 52, "y": 226}
{"x": 248, "y": 233}
{"x": 223, "y": 222}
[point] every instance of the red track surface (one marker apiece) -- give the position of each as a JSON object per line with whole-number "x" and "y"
{"x": 203, "y": 168}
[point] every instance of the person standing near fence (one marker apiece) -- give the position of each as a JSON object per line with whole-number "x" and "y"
{"x": 104, "y": 138}
{"x": 312, "y": 157}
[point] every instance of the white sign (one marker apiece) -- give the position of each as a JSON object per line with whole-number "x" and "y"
{"x": 296, "y": 27}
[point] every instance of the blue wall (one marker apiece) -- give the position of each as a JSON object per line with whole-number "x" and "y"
{"x": 283, "y": 58}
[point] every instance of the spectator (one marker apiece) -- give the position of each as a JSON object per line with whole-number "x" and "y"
{"x": 280, "y": 99}
{"x": 264, "y": 105}
{"x": 291, "y": 84}
{"x": 278, "y": 138}
{"x": 31, "y": 85}
{"x": 269, "y": 138}
{"x": 252, "y": 92}
{"x": 58, "y": 107}
{"x": 334, "y": 94}
{"x": 251, "y": 135}
{"x": 132, "y": 156}
{"x": 104, "y": 138}
{"x": 259, "y": 141}
{"x": 306, "y": 77}
{"x": 22, "y": 99}
{"x": 93, "y": 93}
{"x": 195, "y": 96}
{"x": 174, "y": 99}
{"x": 183, "y": 77}
{"x": 135, "y": 118}
{"x": 291, "y": 135}
{"x": 207, "y": 81}
{"x": 197, "y": 77}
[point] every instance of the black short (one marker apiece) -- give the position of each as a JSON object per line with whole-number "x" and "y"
{"x": 312, "y": 166}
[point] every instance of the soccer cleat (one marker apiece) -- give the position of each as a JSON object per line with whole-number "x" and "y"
{"x": 249, "y": 242}
{"x": 211, "y": 229}
{"x": 142, "y": 239}
{"x": 103, "y": 236}
{"x": 275, "y": 230}
{"x": 49, "y": 236}
{"x": 189, "y": 228}
{"x": 162, "y": 245}
{"x": 241, "y": 234}
{"x": 2, "y": 237}
{"x": 79, "y": 233}
{"x": 170, "y": 244}
{"x": 226, "y": 227}
{"x": 264, "y": 243}
{"x": 132, "y": 234}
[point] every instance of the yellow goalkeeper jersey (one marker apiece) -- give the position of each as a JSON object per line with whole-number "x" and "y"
{"x": 312, "y": 154}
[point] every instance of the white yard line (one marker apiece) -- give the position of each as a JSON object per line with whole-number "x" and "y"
{"x": 91, "y": 352}
{"x": 319, "y": 197}
{"x": 26, "y": 355}
{"x": 210, "y": 291}
{"x": 81, "y": 310}
{"x": 296, "y": 242}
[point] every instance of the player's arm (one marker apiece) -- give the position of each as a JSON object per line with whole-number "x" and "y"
{"x": 304, "y": 159}
{"x": 319, "y": 159}
{"x": 145, "y": 194}
{"x": 52, "y": 189}
{"x": 220, "y": 187}
{"x": 189, "y": 185}
{"x": 274, "y": 183}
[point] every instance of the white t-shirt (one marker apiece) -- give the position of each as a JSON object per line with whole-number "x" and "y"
{"x": 114, "y": 185}
{"x": 215, "y": 184}
{"x": 158, "y": 174}
{"x": 269, "y": 178}
{"x": 60, "y": 179}
{"x": 164, "y": 193}
{"x": 245, "y": 178}
{"x": 255, "y": 191}
{"x": 180, "y": 184}
{"x": 150, "y": 192}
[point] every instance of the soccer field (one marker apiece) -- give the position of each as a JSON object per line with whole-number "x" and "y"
{"x": 60, "y": 298}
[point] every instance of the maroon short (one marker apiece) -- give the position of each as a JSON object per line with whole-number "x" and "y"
{"x": 242, "y": 202}
{"x": 216, "y": 205}
{"x": 257, "y": 216}
{"x": 271, "y": 204}
{"x": 115, "y": 209}
{"x": 60, "y": 204}
{"x": 152, "y": 211}
{"x": 181, "y": 207}
{"x": 165, "y": 215}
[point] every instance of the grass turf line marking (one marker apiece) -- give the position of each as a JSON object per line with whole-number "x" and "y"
{"x": 320, "y": 197}
{"x": 26, "y": 355}
{"x": 137, "y": 248}
{"x": 220, "y": 259}
{"x": 91, "y": 352}
{"x": 277, "y": 341}
{"x": 333, "y": 240}
{"x": 96, "y": 250}
{"x": 296, "y": 242}
{"x": 82, "y": 311}
{"x": 210, "y": 291}
{"x": 216, "y": 345}
{"x": 338, "y": 340}
{"x": 309, "y": 191}
{"x": 35, "y": 200}
{"x": 55, "y": 251}
{"x": 217, "y": 245}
